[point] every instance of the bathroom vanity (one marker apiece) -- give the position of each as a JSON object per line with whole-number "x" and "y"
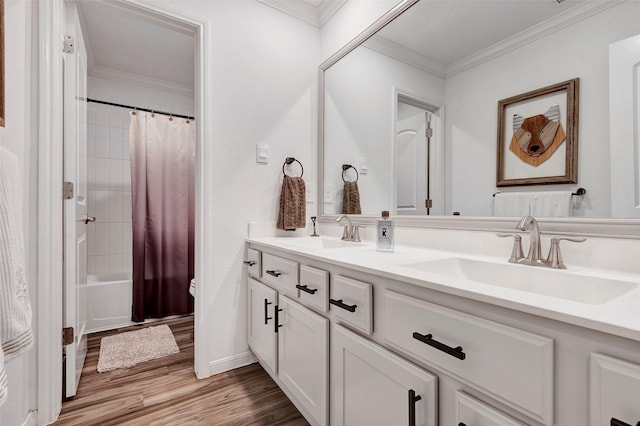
{"x": 434, "y": 337}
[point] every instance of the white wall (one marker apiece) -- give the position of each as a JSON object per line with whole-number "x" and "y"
{"x": 19, "y": 136}
{"x": 472, "y": 96}
{"x": 359, "y": 111}
{"x": 262, "y": 90}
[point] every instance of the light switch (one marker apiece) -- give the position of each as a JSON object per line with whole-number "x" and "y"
{"x": 364, "y": 166}
{"x": 262, "y": 153}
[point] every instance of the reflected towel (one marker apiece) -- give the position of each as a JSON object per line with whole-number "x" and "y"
{"x": 512, "y": 204}
{"x": 351, "y": 198}
{"x": 551, "y": 204}
{"x": 293, "y": 204}
{"x": 15, "y": 308}
{"x": 3, "y": 380}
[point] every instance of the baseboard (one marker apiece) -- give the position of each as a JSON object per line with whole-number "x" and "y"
{"x": 31, "y": 419}
{"x": 231, "y": 362}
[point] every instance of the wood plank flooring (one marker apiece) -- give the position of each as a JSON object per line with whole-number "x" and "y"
{"x": 165, "y": 392}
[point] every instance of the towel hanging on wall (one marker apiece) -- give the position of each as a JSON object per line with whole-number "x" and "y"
{"x": 293, "y": 203}
{"x": 350, "y": 193}
{"x": 15, "y": 307}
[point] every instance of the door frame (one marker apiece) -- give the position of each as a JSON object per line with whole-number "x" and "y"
{"x": 51, "y": 21}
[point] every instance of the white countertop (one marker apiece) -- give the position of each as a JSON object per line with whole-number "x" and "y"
{"x": 619, "y": 316}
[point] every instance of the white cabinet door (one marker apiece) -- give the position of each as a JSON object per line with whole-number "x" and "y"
{"x": 262, "y": 336}
{"x": 371, "y": 386}
{"x": 303, "y": 347}
{"x": 471, "y": 412}
{"x": 615, "y": 392}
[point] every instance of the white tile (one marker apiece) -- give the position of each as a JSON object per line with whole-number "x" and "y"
{"x": 126, "y": 175}
{"x": 103, "y": 173}
{"x": 91, "y": 140}
{"x": 91, "y": 172}
{"x": 127, "y": 211}
{"x": 127, "y": 237}
{"x": 115, "y": 207}
{"x": 91, "y": 113}
{"x": 102, "y": 142}
{"x": 128, "y": 263}
{"x": 116, "y": 174}
{"x": 116, "y": 262}
{"x": 126, "y": 119}
{"x": 115, "y": 150}
{"x": 126, "y": 154}
{"x": 91, "y": 239}
{"x": 91, "y": 264}
{"x": 115, "y": 117}
{"x": 116, "y": 244}
{"x": 102, "y": 115}
{"x": 102, "y": 199}
{"x": 102, "y": 264}
{"x": 101, "y": 238}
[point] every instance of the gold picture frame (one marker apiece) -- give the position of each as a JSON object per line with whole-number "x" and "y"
{"x": 525, "y": 160}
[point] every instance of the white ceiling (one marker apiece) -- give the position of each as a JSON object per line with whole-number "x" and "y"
{"x": 446, "y": 31}
{"x": 123, "y": 42}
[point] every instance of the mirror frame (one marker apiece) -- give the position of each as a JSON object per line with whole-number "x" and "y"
{"x": 595, "y": 227}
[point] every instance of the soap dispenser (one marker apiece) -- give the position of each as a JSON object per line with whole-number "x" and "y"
{"x": 385, "y": 233}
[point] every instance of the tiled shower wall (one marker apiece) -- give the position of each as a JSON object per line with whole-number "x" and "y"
{"x": 109, "y": 189}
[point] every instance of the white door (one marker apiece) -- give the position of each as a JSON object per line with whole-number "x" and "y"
{"x": 624, "y": 116}
{"x": 262, "y": 337}
{"x": 303, "y": 356}
{"x": 615, "y": 391}
{"x": 371, "y": 386}
{"x": 75, "y": 208}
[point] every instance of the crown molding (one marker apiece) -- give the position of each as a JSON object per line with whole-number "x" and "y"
{"x": 562, "y": 20}
{"x": 399, "y": 52}
{"x": 306, "y": 12}
{"x": 140, "y": 80}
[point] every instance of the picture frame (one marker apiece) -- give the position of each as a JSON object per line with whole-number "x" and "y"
{"x": 538, "y": 136}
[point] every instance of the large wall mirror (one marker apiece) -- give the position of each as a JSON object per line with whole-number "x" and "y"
{"x": 411, "y": 105}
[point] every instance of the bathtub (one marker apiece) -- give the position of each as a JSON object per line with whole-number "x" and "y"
{"x": 109, "y": 299}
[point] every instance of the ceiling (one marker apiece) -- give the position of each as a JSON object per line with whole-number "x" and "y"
{"x": 126, "y": 44}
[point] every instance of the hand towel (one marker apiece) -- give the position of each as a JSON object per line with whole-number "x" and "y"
{"x": 551, "y": 204}
{"x": 15, "y": 308}
{"x": 293, "y": 204}
{"x": 3, "y": 380}
{"x": 351, "y": 198}
{"x": 512, "y": 204}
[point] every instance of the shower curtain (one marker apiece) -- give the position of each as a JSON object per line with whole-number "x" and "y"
{"x": 162, "y": 186}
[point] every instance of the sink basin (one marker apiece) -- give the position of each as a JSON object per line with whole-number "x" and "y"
{"x": 548, "y": 282}
{"x": 320, "y": 243}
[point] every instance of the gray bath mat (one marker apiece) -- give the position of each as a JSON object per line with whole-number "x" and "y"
{"x": 131, "y": 348}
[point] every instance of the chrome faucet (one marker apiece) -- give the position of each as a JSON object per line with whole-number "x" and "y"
{"x": 535, "y": 254}
{"x": 351, "y": 231}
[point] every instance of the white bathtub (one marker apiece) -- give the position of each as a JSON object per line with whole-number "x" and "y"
{"x": 109, "y": 300}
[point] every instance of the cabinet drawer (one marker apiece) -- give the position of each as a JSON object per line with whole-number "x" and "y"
{"x": 470, "y": 411}
{"x": 314, "y": 287}
{"x": 351, "y": 302}
{"x": 615, "y": 391}
{"x": 281, "y": 273}
{"x": 513, "y": 365}
{"x": 253, "y": 263}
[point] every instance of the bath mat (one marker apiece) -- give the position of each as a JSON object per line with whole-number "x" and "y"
{"x": 133, "y": 347}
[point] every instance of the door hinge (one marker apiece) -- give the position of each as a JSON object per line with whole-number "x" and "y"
{"x": 67, "y": 336}
{"x": 428, "y": 203}
{"x": 428, "y": 133}
{"x": 67, "y": 190}
{"x": 67, "y": 44}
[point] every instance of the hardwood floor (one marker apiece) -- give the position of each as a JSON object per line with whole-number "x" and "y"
{"x": 166, "y": 392}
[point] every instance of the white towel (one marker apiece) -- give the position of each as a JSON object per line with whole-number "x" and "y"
{"x": 512, "y": 204}
{"x": 551, "y": 204}
{"x": 15, "y": 308}
{"x": 3, "y": 380}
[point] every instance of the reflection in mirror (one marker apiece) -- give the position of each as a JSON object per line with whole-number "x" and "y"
{"x": 454, "y": 71}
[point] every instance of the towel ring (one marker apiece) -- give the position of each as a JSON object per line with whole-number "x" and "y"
{"x": 346, "y": 167}
{"x": 290, "y": 160}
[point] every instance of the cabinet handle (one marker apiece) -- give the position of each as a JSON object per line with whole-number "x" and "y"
{"x": 429, "y": 340}
{"x": 306, "y": 289}
{"x": 274, "y": 273}
{"x": 266, "y": 315}
{"x": 249, "y": 262}
{"x": 276, "y": 323}
{"x": 413, "y": 398}
{"x": 616, "y": 422}
{"x": 340, "y": 304}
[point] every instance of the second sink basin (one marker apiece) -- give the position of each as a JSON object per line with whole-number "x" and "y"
{"x": 548, "y": 282}
{"x": 320, "y": 243}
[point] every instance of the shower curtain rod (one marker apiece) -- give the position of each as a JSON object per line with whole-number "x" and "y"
{"x": 139, "y": 109}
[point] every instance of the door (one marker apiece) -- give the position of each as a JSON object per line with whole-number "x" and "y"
{"x": 75, "y": 203}
{"x": 262, "y": 337}
{"x": 615, "y": 389}
{"x": 412, "y": 158}
{"x": 371, "y": 386}
{"x": 303, "y": 356}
